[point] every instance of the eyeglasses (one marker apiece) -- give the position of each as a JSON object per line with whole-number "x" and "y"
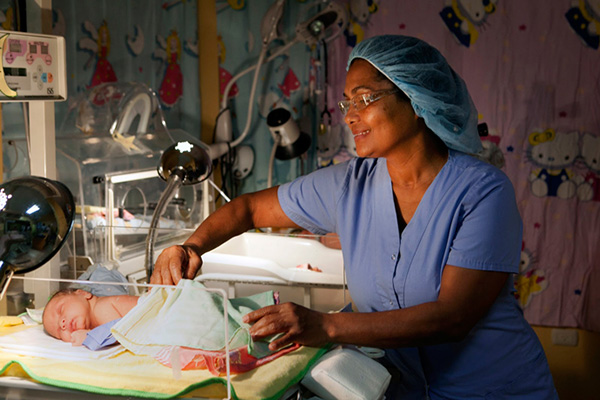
{"x": 362, "y": 101}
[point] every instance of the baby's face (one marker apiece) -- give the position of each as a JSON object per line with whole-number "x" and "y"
{"x": 67, "y": 313}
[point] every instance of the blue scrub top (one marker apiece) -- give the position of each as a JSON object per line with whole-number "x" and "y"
{"x": 468, "y": 218}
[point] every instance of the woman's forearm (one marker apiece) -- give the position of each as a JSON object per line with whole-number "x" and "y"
{"x": 465, "y": 297}
{"x": 424, "y": 324}
{"x": 228, "y": 221}
{"x": 252, "y": 210}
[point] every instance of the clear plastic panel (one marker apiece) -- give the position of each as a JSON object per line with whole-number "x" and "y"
{"x": 112, "y": 128}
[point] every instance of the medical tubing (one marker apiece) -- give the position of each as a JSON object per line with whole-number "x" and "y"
{"x": 161, "y": 118}
{"x": 173, "y": 183}
{"x": 244, "y": 72}
{"x": 214, "y": 185}
{"x": 253, "y": 89}
{"x": 237, "y": 141}
{"x": 12, "y": 143}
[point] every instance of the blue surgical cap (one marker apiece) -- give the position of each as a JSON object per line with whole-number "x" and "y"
{"x": 436, "y": 92}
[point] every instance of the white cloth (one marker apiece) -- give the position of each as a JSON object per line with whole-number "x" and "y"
{"x": 189, "y": 315}
{"x": 35, "y": 342}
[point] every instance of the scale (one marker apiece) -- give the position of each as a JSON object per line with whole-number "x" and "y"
{"x": 33, "y": 67}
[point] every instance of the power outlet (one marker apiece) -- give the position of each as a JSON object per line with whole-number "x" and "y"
{"x": 565, "y": 337}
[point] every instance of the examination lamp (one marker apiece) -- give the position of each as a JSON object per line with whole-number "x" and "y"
{"x": 289, "y": 142}
{"x": 325, "y": 26}
{"x": 36, "y": 216}
{"x": 183, "y": 163}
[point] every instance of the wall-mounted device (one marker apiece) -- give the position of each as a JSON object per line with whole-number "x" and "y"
{"x": 33, "y": 67}
{"x": 33, "y": 71}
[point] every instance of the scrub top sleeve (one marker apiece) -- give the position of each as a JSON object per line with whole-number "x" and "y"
{"x": 489, "y": 234}
{"x": 311, "y": 200}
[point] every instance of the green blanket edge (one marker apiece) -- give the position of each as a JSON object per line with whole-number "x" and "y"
{"x": 138, "y": 393}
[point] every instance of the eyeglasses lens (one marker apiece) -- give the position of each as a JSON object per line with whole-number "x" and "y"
{"x": 361, "y": 101}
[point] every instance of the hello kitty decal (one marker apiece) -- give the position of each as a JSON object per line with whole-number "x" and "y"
{"x": 584, "y": 19}
{"x": 530, "y": 281}
{"x": 359, "y": 12}
{"x": 553, "y": 154}
{"x": 589, "y": 188}
{"x": 464, "y": 17}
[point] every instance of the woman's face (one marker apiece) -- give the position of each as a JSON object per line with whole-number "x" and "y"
{"x": 385, "y": 125}
{"x": 67, "y": 313}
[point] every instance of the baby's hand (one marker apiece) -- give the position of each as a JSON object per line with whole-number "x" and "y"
{"x": 78, "y": 337}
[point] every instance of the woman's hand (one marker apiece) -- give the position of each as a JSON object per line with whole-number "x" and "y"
{"x": 78, "y": 337}
{"x": 175, "y": 263}
{"x": 298, "y": 325}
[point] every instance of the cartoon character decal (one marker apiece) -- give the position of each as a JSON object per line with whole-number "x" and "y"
{"x": 463, "y": 17}
{"x": 329, "y": 141}
{"x": 491, "y": 152}
{"x": 589, "y": 189}
{"x": 99, "y": 47}
{"x": 7, "y": 19}
{"x": 59, "y": 25}
{"x": 224, "y": 75}
{"x": 584, "y": 19}
{"x": 529, "y": 281}
{"x": 135, "y": 42}
{"x": 290, "y": 83}
{"x": 553, "y": 153}
{"x": 171, "y": 87}
{"x": 237, "y": 4}
{"x": 359, "y": 13}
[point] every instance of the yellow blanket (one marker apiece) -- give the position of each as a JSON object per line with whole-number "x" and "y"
{"x": 143, "y": 376}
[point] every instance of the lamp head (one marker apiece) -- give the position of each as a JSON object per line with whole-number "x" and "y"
{"x": 326, "y": 25}
{"x": 189, "y": 161}
{"x": 292, "y": 142}
{"x": 36, "y": 216}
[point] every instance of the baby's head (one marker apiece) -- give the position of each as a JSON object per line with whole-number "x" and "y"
{"x": 69, "y": 310}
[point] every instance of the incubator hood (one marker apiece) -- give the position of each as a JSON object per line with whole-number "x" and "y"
{"x": 108, "y": 148}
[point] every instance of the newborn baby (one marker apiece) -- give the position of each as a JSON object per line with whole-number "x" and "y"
{"x": 72, "y": 313}
{"x": 161, "y": 318}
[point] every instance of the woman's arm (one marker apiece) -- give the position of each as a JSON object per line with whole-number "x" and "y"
{"x": 465, "y": 297}
{"x": 252, "y": 210}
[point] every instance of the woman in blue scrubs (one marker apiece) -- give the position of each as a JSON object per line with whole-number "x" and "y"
{"x": 430, "y": 235}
